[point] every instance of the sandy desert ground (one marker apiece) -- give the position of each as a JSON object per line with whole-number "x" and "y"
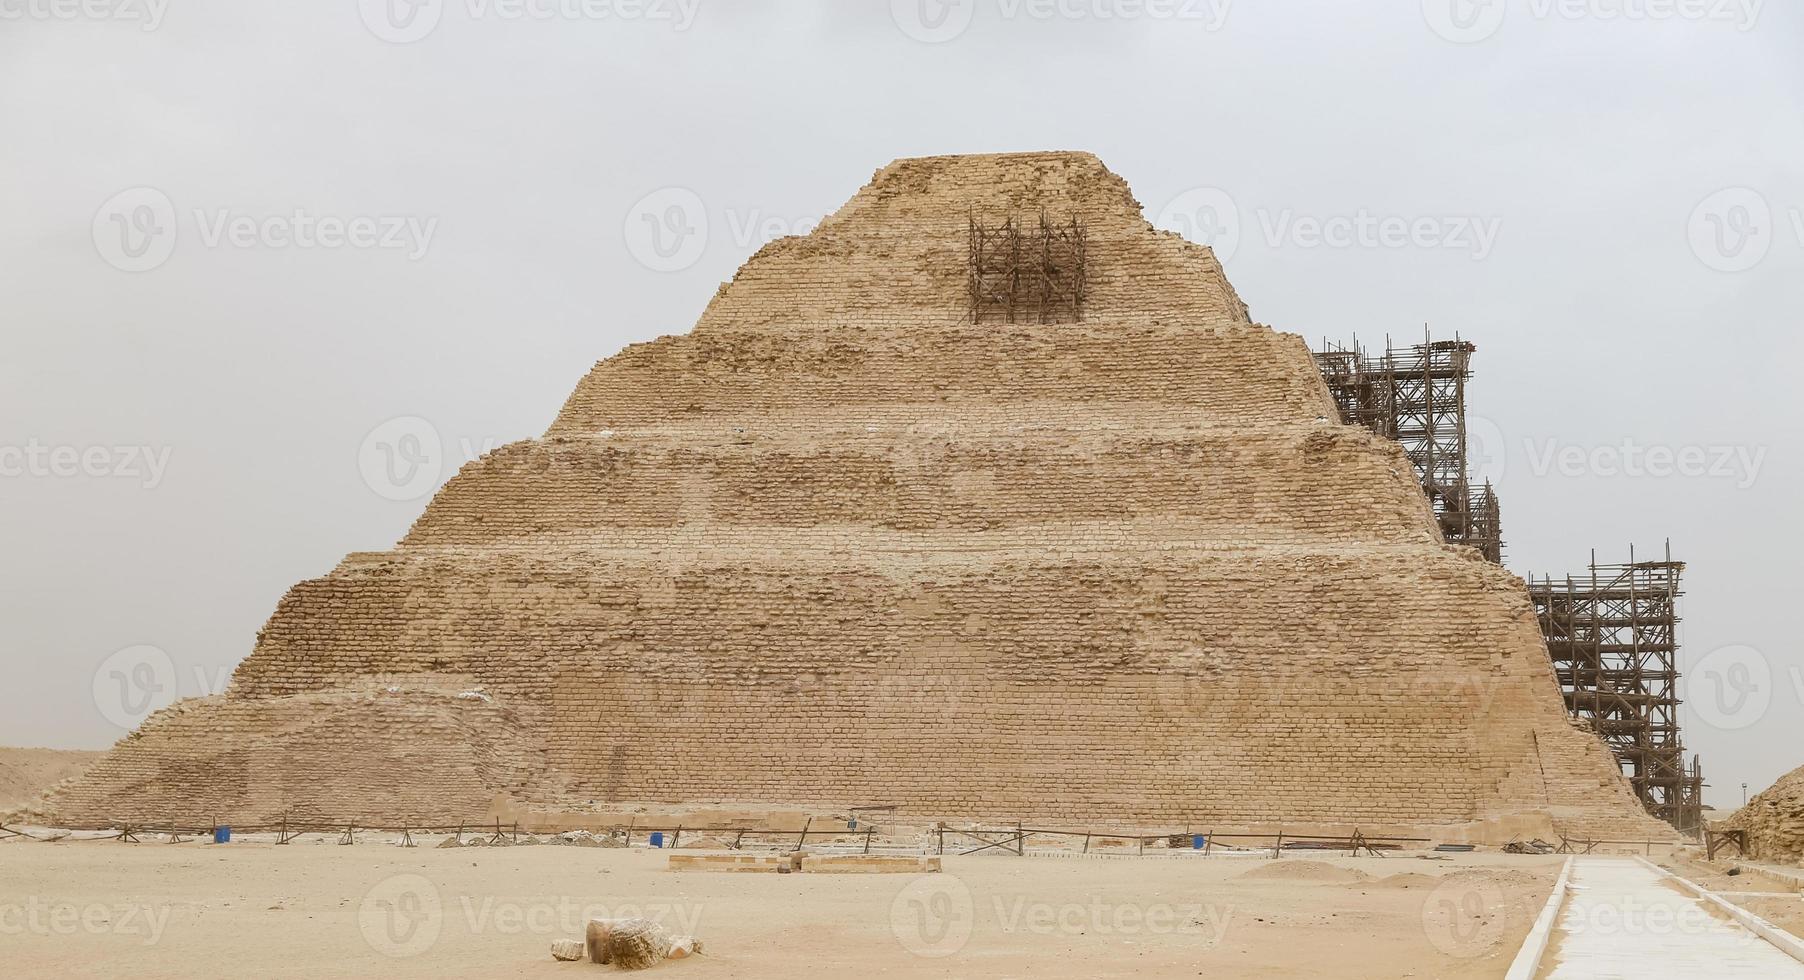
{"x": 316, "y": 909}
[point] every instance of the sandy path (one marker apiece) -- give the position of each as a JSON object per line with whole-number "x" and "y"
{"x": 106, "y": 909}
{"x": 1784, "y": 909}
{"x": 1625, "y": 919}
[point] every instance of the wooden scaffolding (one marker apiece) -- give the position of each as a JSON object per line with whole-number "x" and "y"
{"x": 1417, "y": 396}
{"x": 1028, "y": 272}
{"x": 1613, "y": 635}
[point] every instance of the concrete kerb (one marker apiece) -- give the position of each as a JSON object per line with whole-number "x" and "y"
{"x": 1528, "y": 959}
{"x": 1788, "y": 943}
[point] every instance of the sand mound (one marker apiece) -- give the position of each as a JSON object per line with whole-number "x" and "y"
{"x": 1296, "y": 870}
{"x": 25, "y": 774}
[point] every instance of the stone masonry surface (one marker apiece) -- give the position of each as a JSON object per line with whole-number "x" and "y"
{"x": 840, "y": 546}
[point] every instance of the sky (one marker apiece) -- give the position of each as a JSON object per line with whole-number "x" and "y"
{"x": 272, "y": 271}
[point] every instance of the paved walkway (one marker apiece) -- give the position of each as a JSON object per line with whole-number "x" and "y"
{"x": 1623, "y": 919}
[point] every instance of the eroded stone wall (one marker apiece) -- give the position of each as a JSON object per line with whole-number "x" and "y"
{"x": 1774, "y": 821}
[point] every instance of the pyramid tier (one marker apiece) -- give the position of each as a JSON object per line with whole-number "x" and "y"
{"x": 1183, "y": 685}
{"x": 1273, "y": 485}
{"x": 895, "y": 256}
{"x": 1139, "y": 375}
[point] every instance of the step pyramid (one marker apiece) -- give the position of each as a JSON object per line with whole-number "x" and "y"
{"x": 847, "y": 543}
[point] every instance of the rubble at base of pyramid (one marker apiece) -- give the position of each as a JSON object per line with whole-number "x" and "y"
{"x": 860, "y": 539}
{"x": 1774, "y": 821}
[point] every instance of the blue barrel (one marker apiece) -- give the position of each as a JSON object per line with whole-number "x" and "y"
{"x": 222, "y": 835}
{"x": 1198, "y": 842}
{"x": 657, "y": 838}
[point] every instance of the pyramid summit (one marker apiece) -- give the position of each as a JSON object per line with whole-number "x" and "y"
{"x": 985, "y": 499}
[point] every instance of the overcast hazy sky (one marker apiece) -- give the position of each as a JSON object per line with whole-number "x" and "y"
{"x": 1606, "y": 195}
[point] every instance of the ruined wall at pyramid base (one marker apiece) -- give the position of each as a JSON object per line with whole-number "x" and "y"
{"x": 1774, "y": 821}
{"x": 369, "y": 755}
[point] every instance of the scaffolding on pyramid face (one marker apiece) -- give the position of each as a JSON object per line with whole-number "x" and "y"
{"x": 1416, "y": 396}
{"x": 1611, "y": 633}
{"x": 1613, "y": 636}
{"x": 1027, "y": 272}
